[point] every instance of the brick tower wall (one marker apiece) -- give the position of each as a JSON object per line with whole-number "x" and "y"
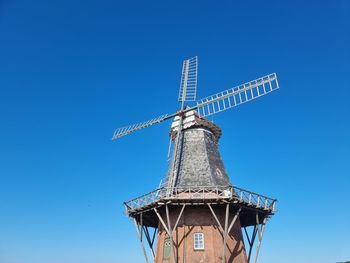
{"x": 200, "y": 219}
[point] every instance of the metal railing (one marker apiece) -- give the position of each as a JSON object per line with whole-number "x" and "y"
{"x": 202, "y": 193}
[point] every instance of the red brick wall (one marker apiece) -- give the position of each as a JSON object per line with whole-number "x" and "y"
{"x": 200, "y": 219}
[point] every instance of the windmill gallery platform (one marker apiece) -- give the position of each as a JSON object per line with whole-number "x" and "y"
{"x": 197, "y": 215}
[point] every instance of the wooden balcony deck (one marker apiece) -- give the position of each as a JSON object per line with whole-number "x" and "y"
{"x": 200, "y": 195}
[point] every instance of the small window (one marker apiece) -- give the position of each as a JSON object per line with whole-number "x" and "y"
{"x": 167, "y": 248}
{"x": 218, "y": 172}
{"x": 198, "y": 241}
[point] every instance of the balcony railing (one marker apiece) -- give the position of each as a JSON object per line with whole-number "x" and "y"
{"x": 202, "y": 194}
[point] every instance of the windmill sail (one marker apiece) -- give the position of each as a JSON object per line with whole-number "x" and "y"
{"x": 236, "y": 96}
{"x": 208, "y": 106}
{"x": 135, "y": 127}
{"x": 188, "y": 84}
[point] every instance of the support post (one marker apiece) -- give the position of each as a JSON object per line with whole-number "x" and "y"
{"x": 261, "y": 230}
{"x": 149, "y": 240}
{"x": 162, "y": 221}
{"x": 167, "y": 228}
{"x": 225, "y": 233}
{"x": 234, "y": 220}
{"x": 171, "y": 233}
{"x": 251, "y": 241}
{"x": 179, "y": 216}
{"x": 139, "y": 232}
{"x": 216, "y": 218}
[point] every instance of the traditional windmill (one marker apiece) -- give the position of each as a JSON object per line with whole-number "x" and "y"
{"x": 196, "y": 214}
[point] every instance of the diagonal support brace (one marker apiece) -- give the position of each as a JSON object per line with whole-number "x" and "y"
{"x": 139, "y": 232}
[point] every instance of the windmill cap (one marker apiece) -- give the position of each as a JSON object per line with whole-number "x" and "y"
{"x": 192, "y": 120}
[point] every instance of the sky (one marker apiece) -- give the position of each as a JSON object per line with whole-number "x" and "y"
{"x": 73, "y": 71}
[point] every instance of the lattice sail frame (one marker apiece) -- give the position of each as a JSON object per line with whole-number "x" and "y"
{"x": 131, "y": 128}
{"x": 212, "y": 104}
{"x": 189, "y": 77}
{"x": 236, "y": 96}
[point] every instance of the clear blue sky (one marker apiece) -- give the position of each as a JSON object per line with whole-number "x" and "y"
{"x": 72, "y": 71}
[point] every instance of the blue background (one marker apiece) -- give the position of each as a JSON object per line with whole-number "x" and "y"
{"x": 72, "y": 71}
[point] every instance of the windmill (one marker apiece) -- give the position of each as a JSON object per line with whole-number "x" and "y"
{"x": 196, "y": 214}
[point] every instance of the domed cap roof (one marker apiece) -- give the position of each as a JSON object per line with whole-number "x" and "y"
{"x": 193, "y": 120}
{"x": 199, "y": 162}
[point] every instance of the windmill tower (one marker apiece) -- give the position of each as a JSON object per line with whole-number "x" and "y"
{"x": 197, "y": 214}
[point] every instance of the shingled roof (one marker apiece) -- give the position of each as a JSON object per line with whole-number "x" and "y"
{"x": 200, "y": 160}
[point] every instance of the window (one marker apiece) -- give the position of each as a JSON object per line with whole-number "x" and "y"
{"x": 167, "y": 248}
{"x": 198, "y": 241}
{"x": 218, "y": 172}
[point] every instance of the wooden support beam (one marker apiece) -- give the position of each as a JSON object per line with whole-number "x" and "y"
{"x": 216, "y": 218}
{"x": 261, "y": 230}
{"x": 251, "y": 242}
{"x": 246, "y": 235}
{"x": 140, "y": 238}
{"x": 148, "y": 237}
{"x": 234, "y": 220}
{"x": 225, "y": 233}
{"x": 171, "y": 236}
{"x": 154, "y": 236}
{"x": 178, "y": 218}
{"x": 162, "y": 221}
